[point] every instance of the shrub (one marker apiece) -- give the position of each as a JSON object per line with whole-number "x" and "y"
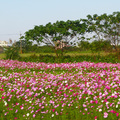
{"x": 12, "y": 53}
{"x": 66, "y": 59}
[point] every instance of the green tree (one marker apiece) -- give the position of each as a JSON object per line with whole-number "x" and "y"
{"x": 12, "y": 52}
{"x": 56, "y": 33}
{"x": 113, "y": 30}
{"x": 96, "y": 25}
{"x": 104, "y": 27}
{"x": 26, "y": 45}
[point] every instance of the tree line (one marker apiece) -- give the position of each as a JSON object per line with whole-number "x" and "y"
{"x": 99, "y": 27}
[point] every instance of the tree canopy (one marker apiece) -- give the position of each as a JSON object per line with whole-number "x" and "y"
{"x": 60, "y": 30}
{"x": 103, "y": 27}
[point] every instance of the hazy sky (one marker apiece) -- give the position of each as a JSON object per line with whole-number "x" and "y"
{"x": 18, "y": 16}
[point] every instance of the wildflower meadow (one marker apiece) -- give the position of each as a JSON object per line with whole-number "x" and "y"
{"x": 59, "y": 91}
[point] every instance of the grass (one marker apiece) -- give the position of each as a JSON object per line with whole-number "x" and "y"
{"x": 72, "y": 53}
{"x": 2, "y": 55}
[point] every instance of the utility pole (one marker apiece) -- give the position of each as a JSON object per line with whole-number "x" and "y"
{"x": 20, "y": 44}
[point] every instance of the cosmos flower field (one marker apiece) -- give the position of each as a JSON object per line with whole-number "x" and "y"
{"x": 64, "y": 91}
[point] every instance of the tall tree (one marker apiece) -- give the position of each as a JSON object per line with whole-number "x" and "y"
{"x": 59, "y": 31}
{"x": 96, "y": 25}
{"x": 104, "y": 27}
{"x": 113, "y": 30}
{"x": 26, "y": 45}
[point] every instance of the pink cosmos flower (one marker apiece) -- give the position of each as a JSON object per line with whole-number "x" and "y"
{"x": 33, "y": 115}
{"x": 105, "y": 114}
{"x": 17, "y": 103}
{"x": 1, "y": 89}
{"x": 53, "y": 110}
{"x": 95, "y": 117}
{"x": 117, "y": 114}
{"x": 16, "y": 111}
{"x": 21, "y": 107}
{"x": 84, "y": 105}
{"x": 2, "y": 97}
{"x": 96, "y": 102}
{"x": 112, "y": 111}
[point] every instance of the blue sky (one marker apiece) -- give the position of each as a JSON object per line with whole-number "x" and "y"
{"x": 18, "y": 16}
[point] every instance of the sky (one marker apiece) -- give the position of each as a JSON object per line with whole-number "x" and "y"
{"x": 19, "y": 16}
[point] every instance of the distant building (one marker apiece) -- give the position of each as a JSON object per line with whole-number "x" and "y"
{"x": 3, "y": 43}
{"x": 61, "y": 44}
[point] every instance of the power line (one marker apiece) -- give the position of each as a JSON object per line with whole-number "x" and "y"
{"x": 9, "y": 34}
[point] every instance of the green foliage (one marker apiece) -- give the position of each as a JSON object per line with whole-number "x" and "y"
{"x": 39, "y": 49}
{"x": 106, "y": 46}
{"x": 65, "y": 59}
{"x": 97, "y": 46}
{"x": 12, "y": 52}
{"x": 58, "y": 31}
{"x": 104, "y": 27}
{"x": 84, "y": 45}
{"x": 26, "y": 45}
{"x": 45, "y": 49}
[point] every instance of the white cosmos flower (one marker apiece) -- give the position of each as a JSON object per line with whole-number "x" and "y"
{"x": 5, "y": 103}
{"x": 42, "y": 90}
{"x": 27, "y": 114}
{"x": 86, "y": 98}
{"x": 107, "y": 103}
{"x": 103, "y": 94}
{"x": 66, "y": 81}
{"x": 116, "y": 106}
{"x": 113, "y": 94}
{"x": 52, "y": 115}
{"x": 100, "y": 110}
{"x": 68, "y": 104}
